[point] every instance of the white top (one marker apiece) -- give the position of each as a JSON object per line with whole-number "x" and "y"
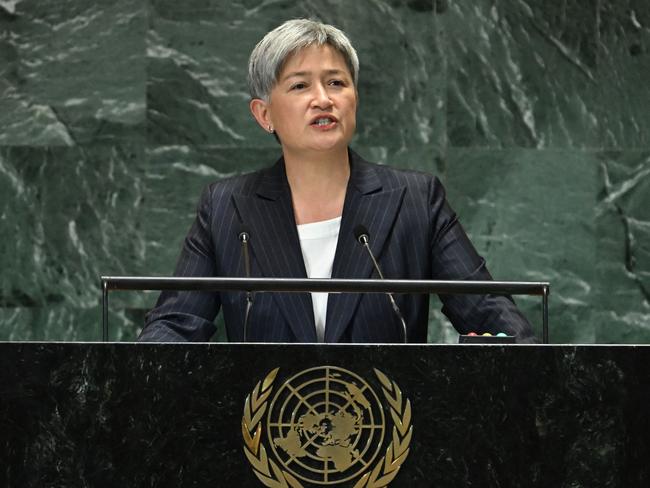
{"x": 318, "y": 243}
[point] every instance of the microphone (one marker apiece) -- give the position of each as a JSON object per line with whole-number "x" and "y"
{"x": 244, "y": 237}
{"x": 361, "y": 235}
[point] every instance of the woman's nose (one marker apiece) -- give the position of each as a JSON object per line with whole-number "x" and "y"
{"x": 321, "y": 98}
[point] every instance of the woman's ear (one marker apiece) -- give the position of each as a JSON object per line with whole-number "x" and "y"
{"x": 259, "y": 109}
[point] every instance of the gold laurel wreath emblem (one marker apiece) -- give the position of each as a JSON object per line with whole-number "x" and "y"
{"x": 272, "y": 476}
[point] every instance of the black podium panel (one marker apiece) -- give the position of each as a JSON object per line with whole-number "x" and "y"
{"x": 157, "y": 415}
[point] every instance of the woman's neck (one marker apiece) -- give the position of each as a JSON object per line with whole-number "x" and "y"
{"x": 318, "y": 183}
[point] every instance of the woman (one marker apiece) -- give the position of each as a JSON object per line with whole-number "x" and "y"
{"x": 301, "y": 215}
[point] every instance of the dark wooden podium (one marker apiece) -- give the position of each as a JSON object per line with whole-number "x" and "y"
{"x": 158, "y": 415}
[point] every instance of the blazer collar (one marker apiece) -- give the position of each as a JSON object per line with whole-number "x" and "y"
{"x": 268, "y": 212}
{"x": 273, "y": 183}
{"x": 369, "y": 204}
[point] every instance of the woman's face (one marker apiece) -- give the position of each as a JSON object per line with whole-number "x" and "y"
{"x": 313, "y": 104}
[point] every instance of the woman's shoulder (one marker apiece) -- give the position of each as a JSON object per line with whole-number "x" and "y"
{"x": 392, "y": 175}
{"x": 234, "y": 181}
{"x": 238, "y": 184}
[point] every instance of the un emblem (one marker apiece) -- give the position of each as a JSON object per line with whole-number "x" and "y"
{"x": 325, "y": 426}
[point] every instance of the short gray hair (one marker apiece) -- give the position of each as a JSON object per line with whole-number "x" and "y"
{"x": 269, "y": 55}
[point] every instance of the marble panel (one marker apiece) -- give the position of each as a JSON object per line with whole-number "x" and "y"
{"x": 623, "y": 65}
{"x": 72, "y": 72}
{"x": 72, "y": 214}
{"x": 71, "y": 211}
{"x": 623, "y": 247}
{"x": 530, "y": 213}
{"x": 68, "y": 322}
{"x": 559, "y": 74}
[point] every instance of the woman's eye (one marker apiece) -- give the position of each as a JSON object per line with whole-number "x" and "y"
{"x": 337, "y": 82}
{"x": 298, "y": 86}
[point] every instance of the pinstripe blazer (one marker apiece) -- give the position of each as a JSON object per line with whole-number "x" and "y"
{"x": 413, "y": 233}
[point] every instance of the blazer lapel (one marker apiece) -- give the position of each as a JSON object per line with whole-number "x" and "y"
{"x": 275, "y": 244}
{"x": 365, "y": 204}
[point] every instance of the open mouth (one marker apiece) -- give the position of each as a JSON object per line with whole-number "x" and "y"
{"x": 324, "y": 121}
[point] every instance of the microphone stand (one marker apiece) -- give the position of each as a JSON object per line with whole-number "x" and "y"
{"x": 244, "y": 238}
{"x": 362, "y": 237}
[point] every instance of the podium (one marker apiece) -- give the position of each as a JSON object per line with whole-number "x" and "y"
{"x": 157, "y": 415}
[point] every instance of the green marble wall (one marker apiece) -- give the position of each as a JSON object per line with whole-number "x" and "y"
{"x": 114, "y": 114}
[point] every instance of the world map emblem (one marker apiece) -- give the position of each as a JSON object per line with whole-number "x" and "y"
{"x": 326, "y": 426}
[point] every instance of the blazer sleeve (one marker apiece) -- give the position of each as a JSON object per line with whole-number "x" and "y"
{"x": 455, "y": 258}
{"x": 188, "y": 315}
